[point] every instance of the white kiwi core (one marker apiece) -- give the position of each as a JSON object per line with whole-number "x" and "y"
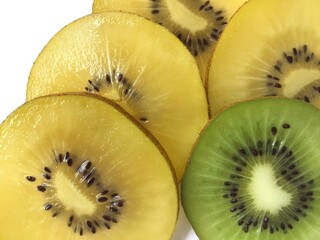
{"x": 298, "y": 79}
{"x": 182, "y": 16}
{"x": 71, "y": 197}
{"x": 267, "y": 195}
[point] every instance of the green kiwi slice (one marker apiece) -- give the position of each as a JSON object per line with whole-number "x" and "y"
{"x": 269, "y": 48}
{"x": 134, "y": 62}
{"x": 254, "y": 173}
{"x": 197, "y": 23}
{"x": 79, "y": 167}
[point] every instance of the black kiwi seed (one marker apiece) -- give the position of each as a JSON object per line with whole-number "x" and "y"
{"x": 106, "y": 217}
{"x": 84, "y": 166}
{"x": 233, "y": 200}
{"x": 104, "y": 192}
{"x": 245, "y": 228}
{"x": 89, "y": 224}
{"x": 119, "y": 203}
{"x": 144, "y": 119}
{"x": 239, "y": 169}
{"x": 55, "y": 214}
{"x": 95, "y": 87}
{"x": 41, "y": 188}
{"x": 60, "y": 157}
{"x": 107, "y": 225}
{"x": 271, "y": 230}
{"x": 70, "y": 220}
{"x": 254, "y": 152}
{"x": 108, "y": 78}
{"x": 90, "y": 178}
{"x": 102, "y": 199}
{"x": 46, "y": 176}
{"x": 233, "y": 209}
{"x": 31, "y": 179}
{"x": 48, "y": 206}
{"x": 90, "y": 181}
{"x": 242, "y": 151}
{"x": 309, "y": 194}
{"x": 69, "y": 162}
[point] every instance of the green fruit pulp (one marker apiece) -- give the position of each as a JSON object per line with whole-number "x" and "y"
{"x": 254, "y": 171}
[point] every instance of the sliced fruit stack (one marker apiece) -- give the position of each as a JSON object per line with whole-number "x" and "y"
{"x": 254, "y": 171}
{"x": 117, "y": 115}
{"x": 134, "y": 62}
{"x": 110, "y": 97}
{"x": 197, "y": 23}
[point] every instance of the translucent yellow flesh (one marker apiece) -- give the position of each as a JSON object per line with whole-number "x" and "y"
{"x": 252, "y": 44}
{"x": 127, "y": 162}
{"x": 160, "y": 70}
{"x": 178, "y": 16}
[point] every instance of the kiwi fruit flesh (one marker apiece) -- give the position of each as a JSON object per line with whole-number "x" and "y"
{"x": 310, "y": 93}
{"x": 197, "y": 23}
{"x": 134, "y": 62}
{"x": 280, "y": 57}
{"x": 79, "y": 167}
{"x": 254, "y": 173}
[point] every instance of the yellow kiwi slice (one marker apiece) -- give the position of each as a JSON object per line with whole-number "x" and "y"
{"x": 310, "y": 93}
{"x": 136, "y": 63}
{"x": 269, "y": 48}
{"x": 77, "y": 167}
{"x": 197, "y": 23}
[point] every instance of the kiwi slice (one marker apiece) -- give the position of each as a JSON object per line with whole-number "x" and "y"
{"x": 254, "y": 173}
{"x": 197, "y": 23}
{"x": 134, "y": 62}
{"x": 78, "y": 167}
{"x": 274, "y": 52}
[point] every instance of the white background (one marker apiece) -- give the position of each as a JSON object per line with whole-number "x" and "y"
{"x": 25, "y": 27}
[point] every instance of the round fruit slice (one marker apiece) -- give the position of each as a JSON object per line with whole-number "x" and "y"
{"x": 76, "y": 167}
{"x": 197, "y": 23}
{"x": 136, "y": 63}
{"x": 280, "y": 56}
{"x": 256, "y": 176}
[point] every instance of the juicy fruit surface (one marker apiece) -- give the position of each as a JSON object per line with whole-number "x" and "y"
{"x": 134, "y": 62}
{"x": 279, "y": 58}
{"x": 255, "y": 171}
{"x": 310, "y": 93}
{"x": 197, "y": 23}
{"x": 45, "y": 149}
